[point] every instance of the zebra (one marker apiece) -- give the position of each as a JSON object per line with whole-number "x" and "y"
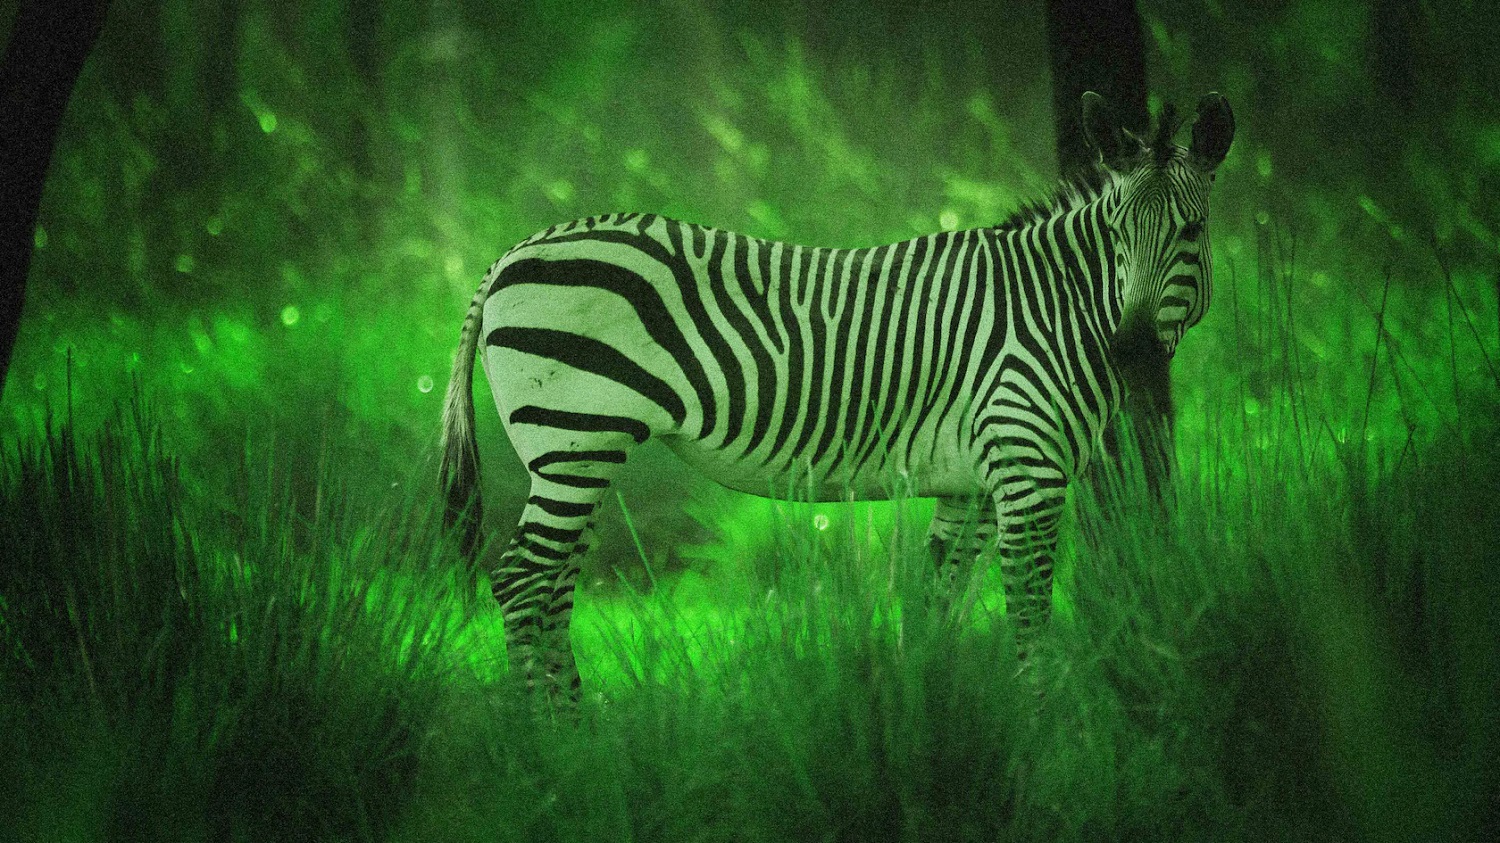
{"x": 983, "y": 365}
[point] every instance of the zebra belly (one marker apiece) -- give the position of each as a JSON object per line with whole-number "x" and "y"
{"x": 925, "y": 475}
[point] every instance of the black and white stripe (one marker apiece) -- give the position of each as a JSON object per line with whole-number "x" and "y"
{"x": 972, "y": 366}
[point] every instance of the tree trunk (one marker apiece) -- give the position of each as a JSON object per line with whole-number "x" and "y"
{"x": 1096, "y": 45}
{"x": 368, "y": 61}
{"x": 48, "y": 45}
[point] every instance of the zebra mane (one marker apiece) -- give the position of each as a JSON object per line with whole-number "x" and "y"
{"x": 1167, "y": 124}
{"x": 1068, "y": 194}
{"x": 1094, "y": 182}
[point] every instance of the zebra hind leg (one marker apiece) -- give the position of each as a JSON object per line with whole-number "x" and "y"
{"x": 959, "y": 532}
{"x": 536, "y": 577}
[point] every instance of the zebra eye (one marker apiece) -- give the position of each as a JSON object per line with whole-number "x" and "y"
{"x": 1192, "y": 230}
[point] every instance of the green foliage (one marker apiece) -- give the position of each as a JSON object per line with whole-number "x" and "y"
{"x": 1303, "y": 648}
{"x": 182, "y": 225}
{"x": 1239, "y": 672}
{"x": 289, "y": 261}
{"x": 199, "y": 677}
{"x": 234, "y": 619}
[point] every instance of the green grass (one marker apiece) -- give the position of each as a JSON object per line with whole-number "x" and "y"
{"x": 190, "y": 676}
{"x": 1305, "y": 650}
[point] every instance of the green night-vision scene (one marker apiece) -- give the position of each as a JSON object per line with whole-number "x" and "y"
{"x": 264, "y": 577}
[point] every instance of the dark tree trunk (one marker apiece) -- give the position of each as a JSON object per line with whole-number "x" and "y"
{"x": 193, "y": 147}
{"x": 365, "y": 55}
{"x": 48, "y": 45}
{"x": 1096, "y": 45}
{"x": 1393, "y": 55}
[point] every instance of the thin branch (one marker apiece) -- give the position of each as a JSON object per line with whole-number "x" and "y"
{"x": 1385, "y": 290}
{"x": 1464, "y": 309}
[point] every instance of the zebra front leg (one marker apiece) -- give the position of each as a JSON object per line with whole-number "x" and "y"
{"x": 1028, "y": 511}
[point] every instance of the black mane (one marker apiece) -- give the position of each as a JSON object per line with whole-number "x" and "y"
{"x": 1065, "y": 196}
{"x": 1089, "y": 185}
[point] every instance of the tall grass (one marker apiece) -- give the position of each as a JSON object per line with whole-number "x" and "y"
{"x": 1304, "y": 648}
{"x": 1240, "y": 673}
{"x": 175, "y": 675}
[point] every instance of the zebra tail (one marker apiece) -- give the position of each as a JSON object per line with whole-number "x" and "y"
{"x": 458, "y": 473}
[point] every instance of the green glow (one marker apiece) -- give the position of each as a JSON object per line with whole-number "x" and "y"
{"x": 1199, "y": 677}
{"x": 727, "y": 135}
{"x": 560, "y": 191}
{"x": 1488, "y": 144}
{"x": 453, "y": 267}
{"x": 232, "y": 329}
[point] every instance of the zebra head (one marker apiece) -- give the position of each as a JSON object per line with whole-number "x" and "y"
{"x": 1159, "y": 217}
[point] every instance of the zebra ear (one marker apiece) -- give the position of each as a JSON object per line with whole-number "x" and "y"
{"x": 1104, "y": 135}
{"x": 1213, "y": 131}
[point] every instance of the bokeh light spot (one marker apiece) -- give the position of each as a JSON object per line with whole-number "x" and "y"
{"x": 726, "y": 134}
{"x": 820, "y": 521}
{"x": 214, "y": 226}
{"x": 185, "y": 263}
{"x": 560, "y": 190}
{"x": 233, "y": 329}
{"x": 424, "y": 384}
{"x": 948, "y": 219}
{"x": 267, "y": 121}
{"x": 290, "y": 315}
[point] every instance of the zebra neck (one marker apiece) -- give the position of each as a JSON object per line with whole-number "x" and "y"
{"x": 1094, "y": 270}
